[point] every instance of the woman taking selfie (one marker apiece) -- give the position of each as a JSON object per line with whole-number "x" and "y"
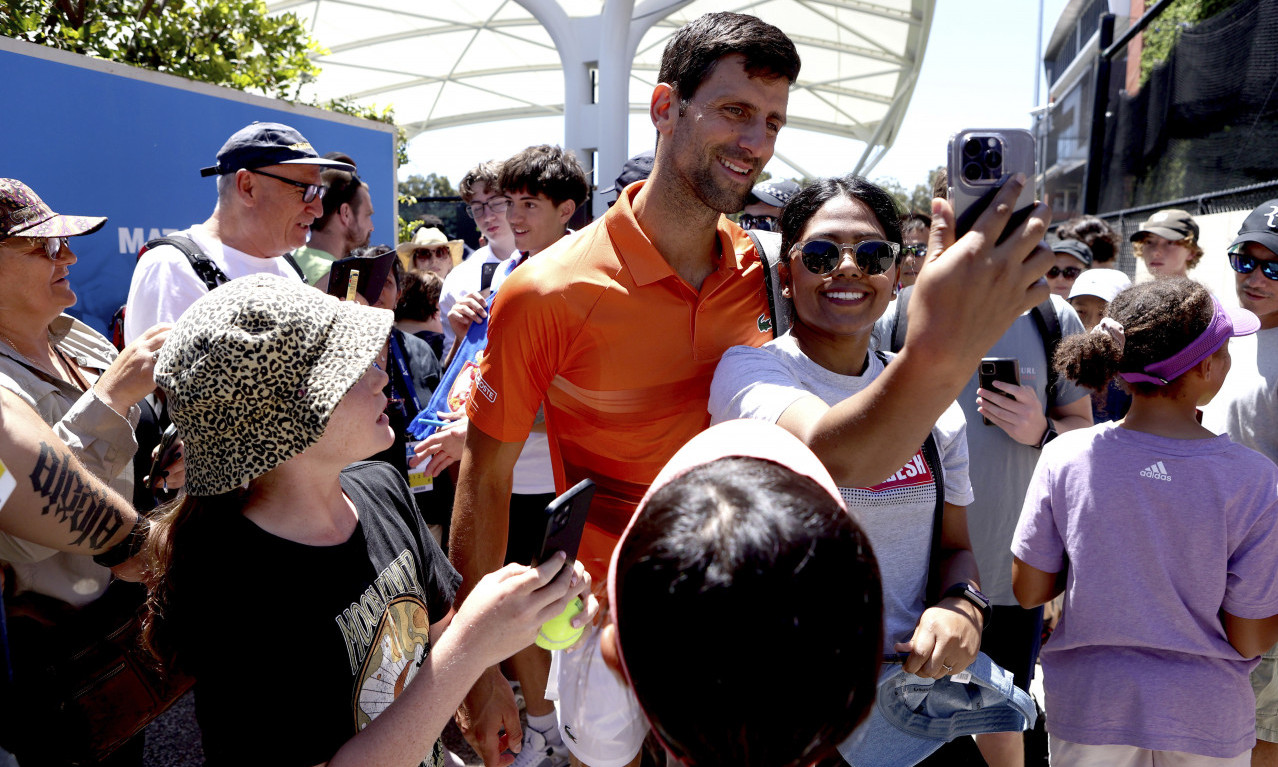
{"x": 289, "y": 569}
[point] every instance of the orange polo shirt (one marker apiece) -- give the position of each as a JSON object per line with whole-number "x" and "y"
{"x": 621, "y": 351}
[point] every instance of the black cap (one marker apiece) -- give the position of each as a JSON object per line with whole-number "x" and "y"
{"x": 1261, "y": 226}
{"x": 774, "y": 193}
{"x": 1074, "y": 248}
{"x": 637, "y": 168}
{"x": 261, "y": 144}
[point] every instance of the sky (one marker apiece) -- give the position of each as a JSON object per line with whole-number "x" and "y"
{"x": 978, "y": 72}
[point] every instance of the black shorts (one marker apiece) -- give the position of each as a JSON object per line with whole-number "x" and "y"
{"x": 1013, "y": 640}
{"x": 527, "y": 527}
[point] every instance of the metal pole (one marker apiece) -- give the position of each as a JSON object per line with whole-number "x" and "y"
{"x": 1100, "y": 105}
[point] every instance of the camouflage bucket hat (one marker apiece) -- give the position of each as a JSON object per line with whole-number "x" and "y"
{"x": 24, "y": 214}
{"x": 253, "y": 371}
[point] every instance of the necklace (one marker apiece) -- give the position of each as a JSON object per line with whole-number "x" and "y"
{"x": 75, "y": 378}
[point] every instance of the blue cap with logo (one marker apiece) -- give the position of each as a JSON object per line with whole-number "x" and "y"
{"x": 260, "y": 144}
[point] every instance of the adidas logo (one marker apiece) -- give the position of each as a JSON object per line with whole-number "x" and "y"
{"x": 1157, "y": 471}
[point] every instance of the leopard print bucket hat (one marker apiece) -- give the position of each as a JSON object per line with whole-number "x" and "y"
{"x": 254, "y": 369}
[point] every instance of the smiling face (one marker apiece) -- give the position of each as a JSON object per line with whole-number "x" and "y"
{"x": 492, "y": 225}
{"x": 843, "y": 304}
{"x": 282, "y": 221}
{"x": 536, "y": 220}
{"x": 727, "y": 132}
{"x": 1256, "y": 292}
{"x": 37, "y": 288}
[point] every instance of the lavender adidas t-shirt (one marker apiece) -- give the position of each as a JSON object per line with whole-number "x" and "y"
{"x": 1160, "y": 535}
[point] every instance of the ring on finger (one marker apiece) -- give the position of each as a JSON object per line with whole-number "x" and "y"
{"x": 947, "y": 667}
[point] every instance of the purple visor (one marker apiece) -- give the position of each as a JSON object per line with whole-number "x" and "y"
{"x": 1225, "y": 324}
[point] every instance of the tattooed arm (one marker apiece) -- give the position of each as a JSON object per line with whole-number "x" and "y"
{"x": 54, "y": 501}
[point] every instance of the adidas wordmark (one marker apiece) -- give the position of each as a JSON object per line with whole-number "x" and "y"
{"x": 1157, "y": 471}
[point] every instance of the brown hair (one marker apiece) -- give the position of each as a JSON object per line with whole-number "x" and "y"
{"x": 1159, "y": 319}
{"x": 419, "y": 296}
{"x": 1093, "y": 232}
{"x": 548, "y": 170}
{"x": 1195, "y": 252}
{"x": 692, "y": 54}
{"x": 485, "y": 173}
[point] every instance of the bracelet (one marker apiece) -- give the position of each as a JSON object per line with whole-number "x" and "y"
{"x": 127, "y": 548}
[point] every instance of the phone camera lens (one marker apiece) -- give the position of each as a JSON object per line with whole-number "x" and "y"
{"x": 994, "y": 158}
{"x": 972, "y": 171}
{"x": 972, "y": 147}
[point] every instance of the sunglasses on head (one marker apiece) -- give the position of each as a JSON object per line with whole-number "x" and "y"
{"x": 1246, "y": 264}
{"x": 1069, "y": 272}
{"x": 871, "y": 256}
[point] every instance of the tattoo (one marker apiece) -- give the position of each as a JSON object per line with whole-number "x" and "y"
{"x": 72, "y": 498}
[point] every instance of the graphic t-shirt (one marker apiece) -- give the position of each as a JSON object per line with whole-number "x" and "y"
{"x": 896, "y": 513}
{"x": 296, "y": 648}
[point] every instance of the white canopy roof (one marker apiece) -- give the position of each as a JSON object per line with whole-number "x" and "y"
{"x": 444, "y": 63}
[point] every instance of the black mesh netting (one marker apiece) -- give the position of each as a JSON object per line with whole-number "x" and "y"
{"x": 1207, "y": 118}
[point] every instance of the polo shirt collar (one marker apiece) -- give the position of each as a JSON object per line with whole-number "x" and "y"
{"x": 641, "y": 258}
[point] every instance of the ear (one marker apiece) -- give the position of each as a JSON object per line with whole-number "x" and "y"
{"x": 663, "y": 108}
{"x": 610, "y": 651}
{"x": 346, "y": 213}
{"x": 783, "y": 274}
{"x": 246, "y": 186}
{"x": 565, "y": 210}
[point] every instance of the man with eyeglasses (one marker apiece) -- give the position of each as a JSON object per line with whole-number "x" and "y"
{"x": 1246, "y": 408}
{"x": 269, "y": 192}
{"x": 347, "y": 224}
{"x": 486, "y": 204}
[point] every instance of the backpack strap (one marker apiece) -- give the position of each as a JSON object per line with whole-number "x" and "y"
{"x": 768, "y": 245}
{"x": 288, "y": 258}
{"x": 899, "y": 322}
{"x": 932, "y": 457}
{"x": 1049, "y": 329}
{"x": 208, "y": 272}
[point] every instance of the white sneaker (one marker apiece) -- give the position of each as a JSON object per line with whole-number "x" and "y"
{"x": 538, "y": 753}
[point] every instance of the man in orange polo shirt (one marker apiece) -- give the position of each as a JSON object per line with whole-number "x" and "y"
{"x": 616, "y": 331}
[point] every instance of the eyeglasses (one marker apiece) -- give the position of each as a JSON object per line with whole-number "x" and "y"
{"x": 914, "y": 251}
{"x": 313, "y": 191}
{"x": 871, "y": 256}
{"x": 1069, "y": 272}
{"x": 52, "y": 245}
{"x": 497, "y": 205}
{"x": 441, "y": 252}
{"x": 761, "y": 223}
{"x": 1246, "y": 264}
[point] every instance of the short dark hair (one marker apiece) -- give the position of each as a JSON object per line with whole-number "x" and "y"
{"x": 804, "y": 205}
{"x": 695, "y": 50}
{"x": 343, "y": 186}
{"x": 722, "y": 602}
{"x": 1093, "y": 232}
{"x": 1159, "y": 319}
{"x": 548, "y": 170}
{"x": 485, "y": 173}
{"x": 418, "y": 295}
{"x": 915, "y": 222}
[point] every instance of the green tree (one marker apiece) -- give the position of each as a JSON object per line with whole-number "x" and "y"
{"x": 430, "y": 185}
{"x": 224, "y": 42}
{"x": 1159, "y": 38}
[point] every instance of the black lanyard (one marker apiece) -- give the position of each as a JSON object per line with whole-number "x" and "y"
{"x": 403, "y": 374}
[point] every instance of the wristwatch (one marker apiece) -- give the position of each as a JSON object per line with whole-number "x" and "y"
{"x": 1048, "y": 435}
{"x": 973, "y": 595}
{"x": 128, "y": 547}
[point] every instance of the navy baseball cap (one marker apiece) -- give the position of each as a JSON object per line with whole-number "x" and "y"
{"x": 260, "y": 144}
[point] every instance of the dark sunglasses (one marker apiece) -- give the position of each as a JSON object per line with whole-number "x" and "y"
{"x": 871, "y": 256}
{"x": 1246, "y": 264}
{"x": 311, "y": 192}
{"x": 1069, "y": 272}
{"x": 914, "y": 251}
{"x": 759, "y": 223}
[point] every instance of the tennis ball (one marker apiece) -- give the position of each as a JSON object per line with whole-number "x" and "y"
{"x": 558, "y": 633}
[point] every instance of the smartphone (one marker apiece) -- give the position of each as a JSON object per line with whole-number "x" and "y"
{"x": 355, "y": 274}
{"x": 163, "y": 456}
{"x": 1005, "y": 369}
{"x": 566, "y": 520}
{"x": 486, "y": 272}
{"x": 979, "y": 161}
